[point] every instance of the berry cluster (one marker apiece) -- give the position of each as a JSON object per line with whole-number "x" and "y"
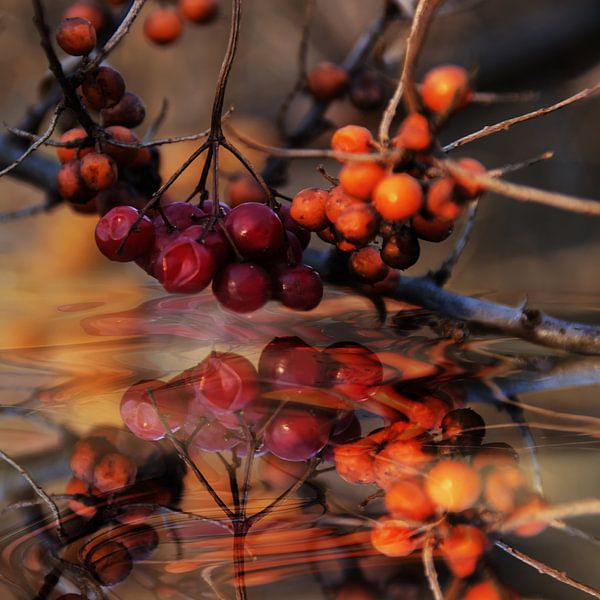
{"x": 211, "y": 405}
{"x": 442, "y": 481}
{"x": 164, "y": 24}
{"x": 401, "y": 199}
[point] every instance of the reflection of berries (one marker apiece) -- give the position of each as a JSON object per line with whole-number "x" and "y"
{"x": 407, "y": 499}
{"x": 462, "y": 549}
{"x": 86, "y": 454}
{"x": 109, "y": 562}
{"x": 114, "y": 472}
{"x": 393, "y": 538}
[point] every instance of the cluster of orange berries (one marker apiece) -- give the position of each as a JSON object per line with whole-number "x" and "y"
{"x": 400, "y": 202}
{"x": 446, "y": 483}
{"x": 164, "y": 25}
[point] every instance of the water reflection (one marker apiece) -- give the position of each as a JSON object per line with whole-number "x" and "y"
{"x": 205, "y": 454}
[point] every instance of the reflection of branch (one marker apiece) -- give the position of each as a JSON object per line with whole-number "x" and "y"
{"x": 528, "y": 324}
{"x": 39, "y": 491}
{"x": 546, "y": 570}
{"x": 504, "y": 125}
{"x": 429, "y": 566}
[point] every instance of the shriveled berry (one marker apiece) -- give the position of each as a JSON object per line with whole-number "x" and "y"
{"x": 431, "y": 230}
{"x": 358, "y": 223}
{"x": 99, "y": 171}
{"x": 103, "y": 87}
{"x": 463, "y": 427}
{"x": 76, "y": 36}
{"x": 73, "y": 135}
{"x": 401, "y": 250}
{"x": 367, "y": 90}
{"x": 85, "y": 456}
{"x": 367, "y": 265}
{"x": 122, "y": 154}
{"x": 308, "y": 208}
{"x": 129, "y": 111}
{"x": 114, "y": 471}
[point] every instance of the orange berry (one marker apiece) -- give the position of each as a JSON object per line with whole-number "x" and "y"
{"x": 308, "y": 208}
{"x": 398, "y": 197}
{"x": 393, "y": 538}
{"x": 414, "y": 133}
{"x": 72, "y": 135}
{"x": 244, "y": 188}
{"x": 163, "y": 26}
{"x": 352, "y": 138}
{"x": 407, "y": 499}
{"x": 76, "y": 36}
{"x": 199, "y": 11}
{"x": 354, "y": 462}
{"x": 70, "y": 184}
{"x": 345, "y": 246}
{"x": 494, "y": 455}
{"x": 529, "y": 508}
{"x": 462, "y": 549}
{"x": 114, "y": 472}
{"x": 122, "y": 154}
{"x": 327, "y": 234}
{"x": 367, "y": 265}
{"x": 358, "y": 223}
{"x": 446, "y": 88}
{"x": 502, "y": 486}
{"x": 441, "y": 200}
{"x": 89, "y": 10}
{"x": 431, "y": 230}
{"x": 327, "y": 81}
{"x": 76, "y": 486}
{"x": 98, "y": 171}
{"x": 453, "y": 485}
{"x": 360, "y": 178}
{"x": 469, "y": 189}
{"x": 401, "y": 459}
{"x": 337, "y": 201}
{"x": 85, "y": 456}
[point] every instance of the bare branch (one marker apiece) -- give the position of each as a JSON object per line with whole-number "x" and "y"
{"x": 546, "y": 570}
{"x": 429, "y": 566}
{"x": 406, "y": 85}
{"x": 506, "y": 124}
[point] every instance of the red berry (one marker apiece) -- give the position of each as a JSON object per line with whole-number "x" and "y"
{"x": 297, "y": 434}
{"x": 298, "y": 230}
{"x": 327, "y": 81}
{"x": 407, "y": 499}
{"x": 98, "y": 171}
{"x": 360, "y": 179}
{"x": 367, "y": 90}
{"x": 441, "y": 200}
{"x": 255, "y": 230}
{"x": 431, "y": 230}
{"x": 358, "y": 223}
{"x": 86, "y": 510}
{"x": 103, "y": 88}
{"x": 112, "y": 230}
{"x": 71, "y": 185}
{"x": 298, "y": 287}
{"x": 180, "y": 215}
{"x": 76, "y": 36}
{"x": 67, "y": 154}
{"x": 199, "y": 11}
{"x": 244, "y": 188}
{"x": 185, "y": 266}
{"x": 242, "y": 287}
{"x": 462, "y": 549}
{"x": 122, "y": 154}
{"x": 163, "y": 26}
{"x": 89, "y": 10}
{"x": 414, "y": 133}
{"x": 453, "y": 485}
{"x": 141, "y": 411}
{"x": 214, "y": 240}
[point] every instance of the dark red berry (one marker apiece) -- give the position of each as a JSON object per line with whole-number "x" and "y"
{"x": 401, "y": 250}
{"x": 129, "y": 111}
{"x": 298, "y": 287}
{"x": 103, "y": 88}
{"x": 242, "y": 287}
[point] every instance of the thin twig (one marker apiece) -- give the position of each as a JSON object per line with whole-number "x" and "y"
{"x": 574, "y": 531}
{"x": 429, "y": 565}
{"x": 49, "y": 131}
{"x": 512, "y": 167}
{"x": 546, "y": 570}
{"x": 506, "y": 124}
{"x": 39, "y": 491}
{"x": 406, "y": 84}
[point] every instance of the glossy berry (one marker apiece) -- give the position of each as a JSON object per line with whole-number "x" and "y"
{"x": 103, "y": 87}
{"x": 392, "y": 538}
{"x": 163, "y": 26}
{"x": 367, "y": 265}
{"x": 352, "y": 138}
{"x": 453, "y": 485}
{"x": 98, "y": 171}
{"x": 113, "y": 472}
{"x": 401, "y": 250}
{"x": 72, "y": 135}
{"x": 199, "y": 11}
{"x": 367, "y": 90}
{"x": 212, "y": 436}
{"x": 130, "y": 111}
{"x": 180, "y": 215}
{"x": 462, "y": 549}
{"x": 302, "y": 234}
{"x": 468, "y": 188}
{"x": 441, "y": 200}
{"x": 327, "y": 81}
{"x": 407, "y": 499}
{"x": 85, "y": 456}
{"x": 185, "y": 266}
{"x": 244, "y": 188}
{"x": 297, "y": 434}
{"x": 337, "y": 201}
{"x": 398, "y": 197}
{"x": 242, "y": 287}
{"x": 214, "y": 241}
{"x": 445, "y": 88}
{"x": 255, "y": 230}
{"x": 89, "y": 10}
{"x": 463, "y": 427}
{"x": 431, "y": 230}
{"x": 359, "y": 179}
{"x": 298, "y": 287}
{"x": 358, "y": 223}
{"x": 108, "y": 562}
{"x": 414, "y": 133}
{"x": 355, "y": 462}
{"x": 308, "y": 208}
{"x": 289, "y": 362}
{"x": 71, "y": 185}
{"x": 123, "y": 155}
{"x": 76, "y": 37}
{"x": 224, "y": 382}
{"x": 113, "y": 228}
{"x": 141, "y": 411}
